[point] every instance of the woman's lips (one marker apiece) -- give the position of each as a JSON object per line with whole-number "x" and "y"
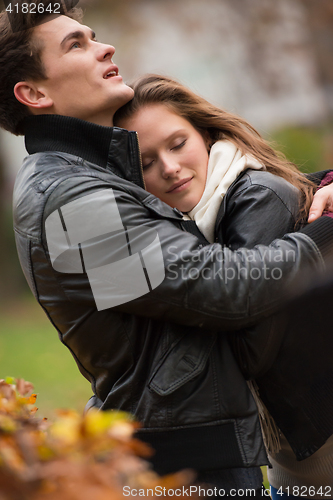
{"x": 180, "y": 186}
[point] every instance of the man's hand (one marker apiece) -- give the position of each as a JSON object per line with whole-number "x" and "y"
{"x": 322, "y": 201}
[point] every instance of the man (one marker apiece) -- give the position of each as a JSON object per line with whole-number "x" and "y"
{"x": 136, "y": 298}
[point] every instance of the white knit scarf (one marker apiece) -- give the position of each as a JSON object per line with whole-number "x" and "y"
{"x": 225, "y": 164}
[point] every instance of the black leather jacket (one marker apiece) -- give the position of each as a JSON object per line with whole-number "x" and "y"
{"x": 258, "y": 208}
{"x": 162, "y": 356}
{"x": 288, "y": 354}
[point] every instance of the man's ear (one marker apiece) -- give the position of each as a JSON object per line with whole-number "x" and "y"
{"x": 28, "y": 94}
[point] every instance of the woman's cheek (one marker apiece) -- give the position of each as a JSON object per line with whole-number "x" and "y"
{"x": 152, "y": 185}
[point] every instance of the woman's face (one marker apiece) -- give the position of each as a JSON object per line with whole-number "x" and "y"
{"x": 174, "y": 155}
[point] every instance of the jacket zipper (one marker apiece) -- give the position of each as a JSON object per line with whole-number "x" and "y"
{"x": 140, "y": 161}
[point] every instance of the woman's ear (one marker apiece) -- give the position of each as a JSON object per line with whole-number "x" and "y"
{"x": 28, "y": 94}
{"x": 208, "y": 140}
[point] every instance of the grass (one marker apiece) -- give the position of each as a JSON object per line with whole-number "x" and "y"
{"x": 264, "y": 473}
{"x": 30, "y": 349}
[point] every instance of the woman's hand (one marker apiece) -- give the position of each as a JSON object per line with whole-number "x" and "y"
{"x": 322, "y": 201}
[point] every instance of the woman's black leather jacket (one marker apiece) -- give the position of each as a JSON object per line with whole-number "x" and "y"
{"x": 288, "y": 354}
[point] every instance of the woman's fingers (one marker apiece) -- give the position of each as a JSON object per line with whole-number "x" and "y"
{"x": 322, "y": 201}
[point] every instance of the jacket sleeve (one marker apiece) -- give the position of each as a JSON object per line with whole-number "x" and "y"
{"x": 259, "y": 209}
{"x": 109, "y": 249}
{"x": 317, "y": 177}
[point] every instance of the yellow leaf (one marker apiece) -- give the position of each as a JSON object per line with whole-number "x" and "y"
{"x": 32, "y": 399}
{"x": 67, "y": 428}
{"x": 7, "y": 423}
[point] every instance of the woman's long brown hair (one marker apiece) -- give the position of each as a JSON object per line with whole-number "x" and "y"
{"x": 220, "y": 124}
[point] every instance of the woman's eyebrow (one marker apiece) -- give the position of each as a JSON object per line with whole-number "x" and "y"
{"x": 175, "y": 133}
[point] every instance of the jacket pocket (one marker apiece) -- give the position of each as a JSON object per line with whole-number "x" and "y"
{"x": 184, "y": 361}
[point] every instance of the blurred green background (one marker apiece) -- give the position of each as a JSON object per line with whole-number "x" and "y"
{"x": 30, "y": 349}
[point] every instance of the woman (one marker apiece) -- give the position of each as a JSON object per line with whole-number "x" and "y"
{"x": 215, "y": 167}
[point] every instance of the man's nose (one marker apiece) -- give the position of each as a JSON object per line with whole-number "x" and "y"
{"x": 105, "y": 51}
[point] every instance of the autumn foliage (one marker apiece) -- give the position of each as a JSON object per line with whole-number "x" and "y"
{"x": 75, "y": 457}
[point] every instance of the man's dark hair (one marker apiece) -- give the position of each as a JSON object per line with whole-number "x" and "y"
{"x": 20, "y": 60}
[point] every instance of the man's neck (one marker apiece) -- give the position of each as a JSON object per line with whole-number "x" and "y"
{"x": 112, "y": 148}
{"x": 100, "y": 120}
{"x": 70, "y": 135}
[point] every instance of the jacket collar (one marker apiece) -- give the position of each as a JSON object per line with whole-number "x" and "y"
{"x": 111, "y": 148}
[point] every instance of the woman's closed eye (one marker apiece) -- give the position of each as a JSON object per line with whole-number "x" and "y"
{"x": 146, "y": 164}
{"x": 179, "y": 146}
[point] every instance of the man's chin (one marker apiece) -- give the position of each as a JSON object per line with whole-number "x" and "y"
{"x": 129, "y": 94}
{"x": 126, "y": 96}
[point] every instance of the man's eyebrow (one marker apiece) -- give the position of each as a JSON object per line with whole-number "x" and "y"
{"x": 76, "y": 34}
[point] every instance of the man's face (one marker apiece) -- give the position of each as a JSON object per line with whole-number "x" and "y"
{"x": 83, "y": 82}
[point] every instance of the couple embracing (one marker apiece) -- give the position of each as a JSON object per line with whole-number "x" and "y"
{"x": 116, "y": 177}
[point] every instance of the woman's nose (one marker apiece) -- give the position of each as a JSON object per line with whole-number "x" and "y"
{"x": 170, "y": 167}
